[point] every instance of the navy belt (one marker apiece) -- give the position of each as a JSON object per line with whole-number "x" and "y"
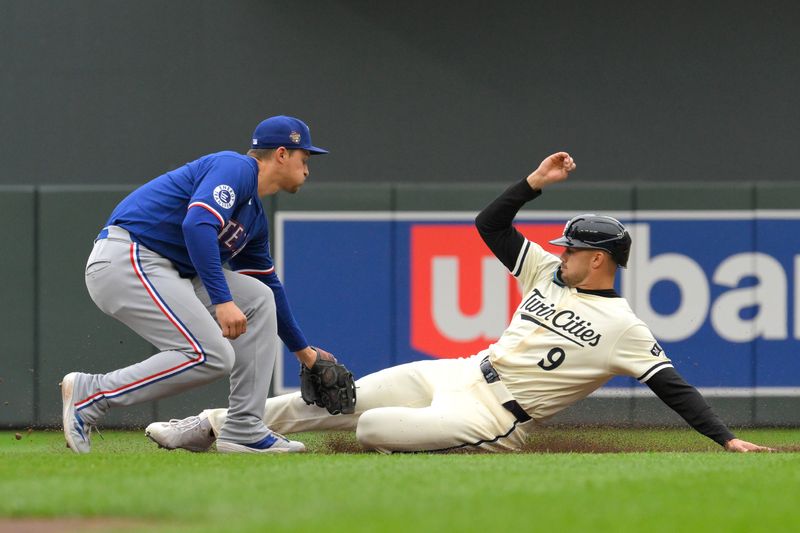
{"x": 115, "y": 232}
{"x": 491, "y": 376}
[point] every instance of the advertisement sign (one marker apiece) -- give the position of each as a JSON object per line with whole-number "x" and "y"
{"x": 720, "y": 291}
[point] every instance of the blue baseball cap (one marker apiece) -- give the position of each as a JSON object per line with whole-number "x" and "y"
{"x": 289, "y": 132}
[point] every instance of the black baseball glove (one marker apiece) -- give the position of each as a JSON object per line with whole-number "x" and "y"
{"x": 328, "y": 384}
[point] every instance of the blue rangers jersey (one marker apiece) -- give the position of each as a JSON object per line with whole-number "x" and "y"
{"x": 203, "y": 215}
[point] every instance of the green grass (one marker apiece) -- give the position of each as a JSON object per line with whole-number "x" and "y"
{"x": 699, "y": 488}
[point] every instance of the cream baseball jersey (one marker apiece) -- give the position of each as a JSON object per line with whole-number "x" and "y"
{"x": 563, "y": 343}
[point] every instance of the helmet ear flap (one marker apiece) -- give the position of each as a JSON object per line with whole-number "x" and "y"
{"x": 623, "y": 249}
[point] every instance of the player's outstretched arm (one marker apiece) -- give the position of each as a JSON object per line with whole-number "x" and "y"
{"x": 742, "y": 446}
{"x": 553, "y": 169}
{"x": 687, "y": 401}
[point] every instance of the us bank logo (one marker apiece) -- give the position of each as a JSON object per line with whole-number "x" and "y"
{"x": 462, "y": 297}
{"x": 720, "y": 291}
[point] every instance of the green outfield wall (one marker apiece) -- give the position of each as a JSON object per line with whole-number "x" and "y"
{"x": 51, "y": 326}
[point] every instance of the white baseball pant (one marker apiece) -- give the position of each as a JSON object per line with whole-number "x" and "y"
{"x": 435, "y": 405}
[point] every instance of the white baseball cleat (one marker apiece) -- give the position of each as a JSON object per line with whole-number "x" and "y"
{"x": 193, "y": 433}
{"x": 76, "y": 431}
{"x": 272, "y": 443}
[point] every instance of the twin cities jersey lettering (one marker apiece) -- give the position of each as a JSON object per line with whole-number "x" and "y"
{"x": 562, "y": 344}
{"x": 564, "y": 322}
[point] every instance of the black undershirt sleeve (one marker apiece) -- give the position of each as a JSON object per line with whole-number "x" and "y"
{"x": 685, "y": 400}
{"x": 494, "y": 222}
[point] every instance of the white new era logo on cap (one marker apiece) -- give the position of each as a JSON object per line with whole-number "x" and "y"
{"x": 255, "y": 141}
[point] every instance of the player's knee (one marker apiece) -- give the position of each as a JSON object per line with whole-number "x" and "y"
{"x": 367, "y": 431}
{"x": 220, "y": 357}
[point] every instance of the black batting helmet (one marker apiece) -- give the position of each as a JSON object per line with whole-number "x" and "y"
{"x": 598, "y": 232}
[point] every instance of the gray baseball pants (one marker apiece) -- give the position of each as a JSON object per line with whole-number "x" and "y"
{"x": 144, "y": 291}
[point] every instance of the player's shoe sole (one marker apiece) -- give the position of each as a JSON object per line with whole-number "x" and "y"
{"x": 76, "y": 433}
{"x": 283, "y": 445}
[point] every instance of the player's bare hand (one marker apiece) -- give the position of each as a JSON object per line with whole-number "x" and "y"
{"x": 308, "y": 356}
{"x": 553, "y": 169}
{"x": 231, "y": 320}
{"x": 742, "y": 446}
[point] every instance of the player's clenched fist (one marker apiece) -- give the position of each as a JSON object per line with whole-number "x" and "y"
{"x": 231, "y": 320}
{"x": 553, "y": 169}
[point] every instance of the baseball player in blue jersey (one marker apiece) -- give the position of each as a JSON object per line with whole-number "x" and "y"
{"x": 157, "y": 266}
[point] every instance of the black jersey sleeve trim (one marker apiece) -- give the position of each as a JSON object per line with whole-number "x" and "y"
{"x": 650, "y": 371}
{"x": 685, "y": 400}
{"x": 494, "y": 223}
{"x": 521, "y": 259}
